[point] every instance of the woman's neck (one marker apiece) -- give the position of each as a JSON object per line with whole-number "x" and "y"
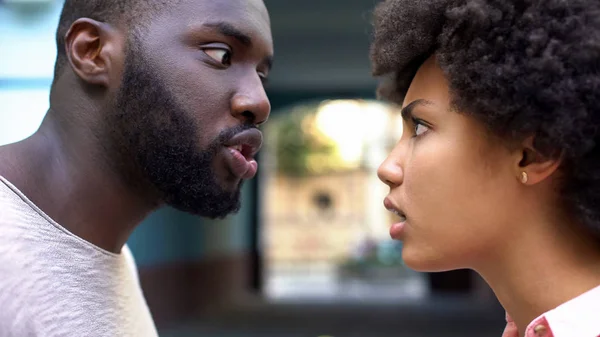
{"x": 543, "y": 267}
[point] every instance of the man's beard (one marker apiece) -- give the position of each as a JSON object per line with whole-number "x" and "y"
{"x": 158, "y": 144}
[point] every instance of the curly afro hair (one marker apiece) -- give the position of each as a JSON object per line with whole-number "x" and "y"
{"x": 521, "y": 67}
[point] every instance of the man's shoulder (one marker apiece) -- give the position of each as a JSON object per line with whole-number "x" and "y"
{"x": 14, "y": 207}
{"x": 17, "y": 219}
{"x": 13, "y": 216}
{"x": 48, "y": 277}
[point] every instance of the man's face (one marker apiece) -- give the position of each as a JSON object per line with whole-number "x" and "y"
{"x": 189, "y": 102}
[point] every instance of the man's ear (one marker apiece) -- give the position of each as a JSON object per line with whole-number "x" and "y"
{"x": 91, "y": 48}
{"x": 531, "y": 166}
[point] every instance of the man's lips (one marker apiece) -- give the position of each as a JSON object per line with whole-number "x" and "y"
{"x": 247, "y": 142}
{"x": 241, "y": 150}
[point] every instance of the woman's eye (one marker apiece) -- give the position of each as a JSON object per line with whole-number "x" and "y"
{"x": 419, "y": 127}
{"x": 222, "y": 56}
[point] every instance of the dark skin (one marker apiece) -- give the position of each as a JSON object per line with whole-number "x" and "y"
{"x": 207, "y": 58}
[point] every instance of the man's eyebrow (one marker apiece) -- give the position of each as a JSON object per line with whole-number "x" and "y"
{"x": 228, "y": 29}
{"x": 407, "y": 111}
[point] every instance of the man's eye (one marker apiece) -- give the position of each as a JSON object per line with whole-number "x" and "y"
{"x": 264, "y": 79}
{"x": 222, "y": 56}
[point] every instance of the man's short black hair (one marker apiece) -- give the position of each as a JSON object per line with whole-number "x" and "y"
{"x": 128, "y": 12}
{"x": 521, "y": 67}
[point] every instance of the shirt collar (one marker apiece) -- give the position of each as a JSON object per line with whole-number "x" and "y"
{"x": 577, "y": 317}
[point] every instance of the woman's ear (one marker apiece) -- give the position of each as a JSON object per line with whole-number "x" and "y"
{"x": 531, "y": 166}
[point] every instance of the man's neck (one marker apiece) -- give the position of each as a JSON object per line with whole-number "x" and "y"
{"x": 540, "y": 271}
{"x": 69, "y": 178}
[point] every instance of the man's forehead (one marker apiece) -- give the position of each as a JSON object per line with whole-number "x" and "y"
{"x": 197, "y": 21}
{"x": 241, "y": 11}
{"x": 247, "y": 16}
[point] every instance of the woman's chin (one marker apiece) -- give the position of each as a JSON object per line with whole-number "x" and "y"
{"x": 424, "y": 262}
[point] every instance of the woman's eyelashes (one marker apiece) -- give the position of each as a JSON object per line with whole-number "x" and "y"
{"x": 419, "y": 127}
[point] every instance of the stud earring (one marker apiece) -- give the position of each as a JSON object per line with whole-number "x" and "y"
{"x": 524, "y": 177}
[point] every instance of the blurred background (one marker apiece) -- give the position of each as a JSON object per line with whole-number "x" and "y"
{"x": 309, "y": 254}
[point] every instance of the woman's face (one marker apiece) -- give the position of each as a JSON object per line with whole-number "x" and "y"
{"x": 452, "y": 181}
